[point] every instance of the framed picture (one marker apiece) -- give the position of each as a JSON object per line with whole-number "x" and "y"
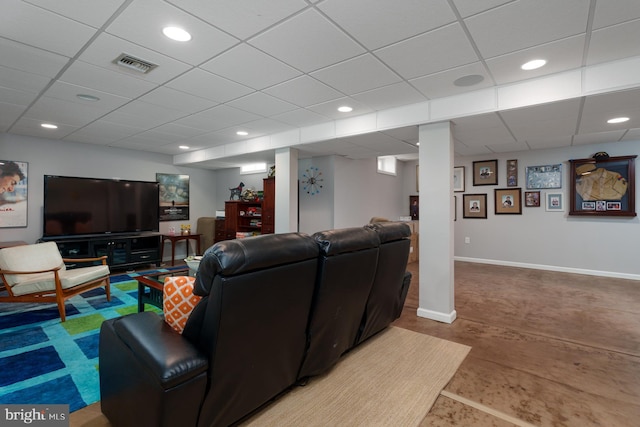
{"x": 512, "y": 173}
{"x": 508, "y": 201}
{"x": 485, "y": 172}
{"x": 174, "y": 196}
{"x": 555, "y": 202}
{"x": 547, "y": 176}
{"x": 604, "y": 186}
{"x": 458, "y": 178}
{"x": 13, "y": 199}
{"x": 532, "y": 199}
{"x": 474, "y": 206}
{"x": 414, "y": 207}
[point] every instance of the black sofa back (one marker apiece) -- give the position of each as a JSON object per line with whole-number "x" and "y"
{"x": 254, "y": 346}
{"x": 346, "y": 268}
{"x": 275, "y": 309}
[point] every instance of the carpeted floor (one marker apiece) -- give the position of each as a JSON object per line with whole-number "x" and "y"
{"x": 45, "y": 361}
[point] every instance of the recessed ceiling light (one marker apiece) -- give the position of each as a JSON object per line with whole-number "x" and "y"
{"x": 417, "y": 144}
{"x": 86, "y": 97}
{"x": 345, "y": 109}
{"x": 470, "y": 80}
{"x": 183, "y": 147}
{"x": 618, "y": 120}
{"x": 177, "y": 34}
{"x": 49, "y": 126}
{"x": 242, "y": 133}
{"x": 532, "y": 65}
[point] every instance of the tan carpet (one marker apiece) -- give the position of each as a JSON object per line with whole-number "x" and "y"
{"x": 391, "y": 380}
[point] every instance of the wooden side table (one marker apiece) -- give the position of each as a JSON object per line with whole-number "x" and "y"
{"x": 176, "y": 238}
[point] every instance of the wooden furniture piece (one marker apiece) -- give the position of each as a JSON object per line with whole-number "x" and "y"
{"x": 125, "y": 251}
{"x": 221, "y": 231}
{"x": 150, "y": 287}
{"x": 269, "y": 205}
{"x": 37, "y": 273}
{"x": 206, "y": 227}
{"x": 243, "y": 218}
{"x": 176, "y": 238}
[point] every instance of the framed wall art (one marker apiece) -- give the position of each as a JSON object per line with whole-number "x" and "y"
{"x": 474, "y": 206}
{"x": 13, "y": 193}
{"x": 541, "y": 177}
{"x": 458, "y": 178}
{"x": 512, "y": 173}
{"x": 485, "y": 172}
{"x": 508, "y": 201}
{"x": 532, "y": 199}
{"x": 414, "y": 207}
{"x": 174, "y": 196}
{"x": 555, "y": 202}
{"x": 602, "y": 186}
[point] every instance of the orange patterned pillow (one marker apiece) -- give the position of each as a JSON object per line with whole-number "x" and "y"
{"x": 178, "y": 300}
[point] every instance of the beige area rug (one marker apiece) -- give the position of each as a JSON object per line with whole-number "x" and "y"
{"x": 391, "y": 380}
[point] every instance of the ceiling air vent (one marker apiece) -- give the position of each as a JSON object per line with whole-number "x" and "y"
{"x": 136, "y": 64}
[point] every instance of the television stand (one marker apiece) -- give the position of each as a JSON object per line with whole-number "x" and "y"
{"x": 122, "y": 251}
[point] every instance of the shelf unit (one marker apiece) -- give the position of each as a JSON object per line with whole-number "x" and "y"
{"x": 243, "y": 217}
{"x": 124, "y": 251}
{"x": 268, "y": 205}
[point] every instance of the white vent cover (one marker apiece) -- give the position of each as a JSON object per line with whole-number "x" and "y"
{"x": 136, "y": 64}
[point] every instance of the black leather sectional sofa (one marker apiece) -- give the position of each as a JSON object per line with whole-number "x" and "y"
{"x": 276, "y": 310}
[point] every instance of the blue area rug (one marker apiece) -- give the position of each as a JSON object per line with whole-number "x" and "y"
{"x": 45, "y": 361}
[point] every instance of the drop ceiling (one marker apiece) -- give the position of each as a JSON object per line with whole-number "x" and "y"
{"x": 282, "y": 67}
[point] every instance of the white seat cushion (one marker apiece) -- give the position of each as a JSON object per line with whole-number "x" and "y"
{"x": 68, "y": 279}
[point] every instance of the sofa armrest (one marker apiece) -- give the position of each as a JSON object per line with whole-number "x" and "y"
{"x": 144, "y": 363}
{"x": 171, "y": 358}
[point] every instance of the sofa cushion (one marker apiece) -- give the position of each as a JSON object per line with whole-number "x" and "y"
{"x": 178, "y": 300}
{"x": 43, "y": 282}
{"x": 38, "y": 257}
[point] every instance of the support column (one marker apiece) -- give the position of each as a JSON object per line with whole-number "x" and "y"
{"x": 436, "y": 297}
{"x": 286, "y": 215}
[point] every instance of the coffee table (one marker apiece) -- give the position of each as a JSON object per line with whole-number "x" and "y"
{"x": 150, "y": 286}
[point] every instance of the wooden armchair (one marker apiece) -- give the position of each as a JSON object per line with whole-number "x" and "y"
{"x": 37, "y": 273}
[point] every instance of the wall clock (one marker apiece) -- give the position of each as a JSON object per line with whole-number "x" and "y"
{"x": 312, "y": 180}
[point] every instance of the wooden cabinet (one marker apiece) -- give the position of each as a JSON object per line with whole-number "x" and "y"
{"x": 243, "y": 219}
{"x": 221, "y": 231}
{"x": 269, "y": 206}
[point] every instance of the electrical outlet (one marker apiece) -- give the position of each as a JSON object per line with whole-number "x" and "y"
{"x": 467, "y": 239}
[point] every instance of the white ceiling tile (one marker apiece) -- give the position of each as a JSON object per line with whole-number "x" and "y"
{"x": 18, "y": 98}
{"x": 599, "y": 138}
{"x": 565, "y": 54}
{"x": 242, "y": 18}
{"x": 303, "y": 91}
{"x": 151, "y": 113}
{"x": 330, "y": 108}
{"x": 94, "y": 13}
{"x": 429, "y": 53}
{"x": 68, "y": 92}
{"x": 177, "y": 100}
{"x": 9, "y": 113}
{"x": 262, "y": 104}
{"x": 347, "y": 76}
{"x": 307, "y": 42}
{"x": 300, "y": 118}
{"x": 265, "y": 127}
{"x": 249, "y": 66}
{"x": 31, "y": 126}
{"x": 471, "y": 7}
{"x": 28, "y": 23}
{"x": 598, "y": 109}
{"x": 610, "y": 12}
{"x": 555, "y": 141}
{"x": 142, "y": 23}
{"x": 441, "y": 84}
{"x": 59, "y": 112}
{"x": 623, "y": 36}
{"x": 508, "y": 147}
{"x": 103, "y": 132}
{"x": 381, "y": 22}
{"x": 103, "y": 80}
{"x": 217, "y": 118}
{"x": 390, "y": 96}
{"x": 22, "y": 81}
{"x": 26, "y": 58}
{"x": 206, "y": 85}
{"x": 560, "y": 117}
{"x": 526, "y": 23}
{"x": 481, "y": 130}
{"x": 632, "y": 135}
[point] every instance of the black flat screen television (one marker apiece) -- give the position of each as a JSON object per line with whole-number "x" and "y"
{"x": 90, "y": 206}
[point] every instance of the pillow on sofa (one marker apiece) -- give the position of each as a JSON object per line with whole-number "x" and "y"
{"x": 178, "y": 300}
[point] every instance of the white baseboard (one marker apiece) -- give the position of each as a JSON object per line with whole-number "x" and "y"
{"x": 551, "y": 268}
{"x": 436, "y": 315}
